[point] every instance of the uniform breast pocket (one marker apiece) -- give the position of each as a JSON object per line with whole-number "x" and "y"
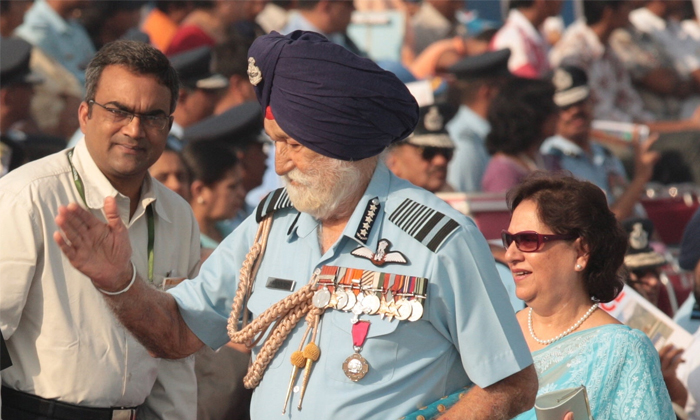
{"x": 380, "y": 348}
{"x": 261, "y": 300}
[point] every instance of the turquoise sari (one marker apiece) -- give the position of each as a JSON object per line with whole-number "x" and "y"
{"x": 619, "y": 367}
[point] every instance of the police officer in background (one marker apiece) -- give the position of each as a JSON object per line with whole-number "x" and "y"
{"x": 383, "y": 297}
{"x": 423, "y": 157}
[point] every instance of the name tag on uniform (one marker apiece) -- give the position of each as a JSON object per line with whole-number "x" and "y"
{"x": 280, "y": 284}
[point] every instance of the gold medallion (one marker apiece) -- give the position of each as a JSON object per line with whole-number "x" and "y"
{"x": 355, "y": 367}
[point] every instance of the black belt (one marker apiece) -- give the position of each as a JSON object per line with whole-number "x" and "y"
{"x": 60, "y": 410}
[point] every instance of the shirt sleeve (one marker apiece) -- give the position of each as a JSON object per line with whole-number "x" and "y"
{"x": 205, "y": 301}
{"x": 470, "y": 305}
{"x": 19, "y": 257}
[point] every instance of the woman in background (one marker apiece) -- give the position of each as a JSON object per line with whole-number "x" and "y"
{"x": 565, "y": 249}
{"x": 522, "y": 116}
{"x": 216, "y": 191}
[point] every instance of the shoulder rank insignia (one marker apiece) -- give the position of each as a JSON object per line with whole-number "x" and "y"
{"x": 427, "y": 226}
{"x": 274, "y": 201}
{"x": 382, "y": 256}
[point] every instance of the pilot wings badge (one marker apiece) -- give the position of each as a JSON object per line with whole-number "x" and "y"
{"x": 382, "y": 256}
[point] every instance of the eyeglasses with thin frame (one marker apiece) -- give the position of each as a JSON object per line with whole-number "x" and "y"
{"x": 120, "y": 116}
{"x": 428, "y": 153}
{"x": 531, "y": 241}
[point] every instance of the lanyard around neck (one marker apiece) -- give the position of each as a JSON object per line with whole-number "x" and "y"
{"x": 149, "y": 214}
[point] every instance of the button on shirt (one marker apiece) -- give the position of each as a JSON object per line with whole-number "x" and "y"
{"x": 64, "y": 340}
{"x": 466, "y": 169}
{"x": 467, "y": 334}
{"x": 66, "y": 41}
{"x": 600, "y": 167}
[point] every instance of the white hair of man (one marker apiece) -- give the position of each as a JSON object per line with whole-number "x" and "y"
{"x": 331, "y": 188}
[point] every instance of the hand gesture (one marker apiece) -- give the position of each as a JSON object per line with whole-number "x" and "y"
{"x": 644, "y": 158}
{"x": 99, "y": 250}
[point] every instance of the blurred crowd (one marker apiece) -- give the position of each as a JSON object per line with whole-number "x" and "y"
{"x": 613, "y": 98}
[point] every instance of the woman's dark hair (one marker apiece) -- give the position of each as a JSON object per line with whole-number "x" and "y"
{"x": 517, "y": 115}
{"x": 208, "y": 161}
{"x": 569, "y": 206}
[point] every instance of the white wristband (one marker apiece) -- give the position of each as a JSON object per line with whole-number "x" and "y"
{"x": 124, "y": 290}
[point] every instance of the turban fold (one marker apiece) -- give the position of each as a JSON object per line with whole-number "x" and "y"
{"x": 328, "y": 99}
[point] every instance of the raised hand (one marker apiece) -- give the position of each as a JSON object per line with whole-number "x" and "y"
{"x": 99, "y": 250}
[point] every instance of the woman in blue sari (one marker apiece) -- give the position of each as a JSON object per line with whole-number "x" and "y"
{"x": 564, "y": 248}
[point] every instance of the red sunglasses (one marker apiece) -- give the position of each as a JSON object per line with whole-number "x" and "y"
{"x": 531, "y": 241}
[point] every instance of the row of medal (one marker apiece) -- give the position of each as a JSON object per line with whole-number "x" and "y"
{"x": 370, "y": 292}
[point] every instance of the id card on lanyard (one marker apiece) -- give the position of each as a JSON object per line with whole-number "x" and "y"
{"x": 149, "y": 214}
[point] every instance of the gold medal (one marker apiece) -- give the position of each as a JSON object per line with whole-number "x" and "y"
{"x": 355, "y": 367}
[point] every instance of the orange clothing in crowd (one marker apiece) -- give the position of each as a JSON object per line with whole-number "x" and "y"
{"x": 160, "y": 28}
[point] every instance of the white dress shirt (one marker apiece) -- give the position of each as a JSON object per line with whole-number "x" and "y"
{"x": 65, "y": 342}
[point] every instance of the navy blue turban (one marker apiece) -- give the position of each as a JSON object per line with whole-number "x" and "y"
{"x": 328, "y": 99}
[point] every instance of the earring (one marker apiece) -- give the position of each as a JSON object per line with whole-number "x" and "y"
{"x": 579, "y": 267}
{"x": 200, "y": 200}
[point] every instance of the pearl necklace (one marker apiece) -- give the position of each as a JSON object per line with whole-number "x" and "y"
{"x": 565, "y": 333}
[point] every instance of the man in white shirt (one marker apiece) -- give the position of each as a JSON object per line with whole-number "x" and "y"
{"x": 72, "y": 359}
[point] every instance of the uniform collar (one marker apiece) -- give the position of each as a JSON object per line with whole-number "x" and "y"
{"x": 97, "y": 188}
{"x": 378, "y": 188}
{"x": 564, "y": 145}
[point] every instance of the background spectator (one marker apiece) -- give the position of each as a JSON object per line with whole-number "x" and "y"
{"x": 422, "y": 158}
{"x": 521, "y": 117}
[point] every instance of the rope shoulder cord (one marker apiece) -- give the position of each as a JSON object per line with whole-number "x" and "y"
{"x": 284, "y": 314}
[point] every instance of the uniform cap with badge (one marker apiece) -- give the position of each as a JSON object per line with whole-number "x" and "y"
{"x": 571, "y": 86}
{"x": 346, "y": 108}
{"x": 14, "y": 63}
{"x": 239, "y": 126}
{"x": 490, "y": 64}
{"x": 640, "y": 255}
{"x": 430, "y": 133}
{"x": 194, "y": 68}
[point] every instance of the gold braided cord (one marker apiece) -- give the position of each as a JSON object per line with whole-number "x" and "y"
{"x": 285, "y": 314}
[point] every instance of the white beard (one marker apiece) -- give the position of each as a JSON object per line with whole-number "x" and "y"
{"x": 322, "y": 190}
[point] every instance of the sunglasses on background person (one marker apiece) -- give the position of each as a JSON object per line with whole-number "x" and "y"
{"x": 531, "y": 241}
{"x": 429, "y": 152}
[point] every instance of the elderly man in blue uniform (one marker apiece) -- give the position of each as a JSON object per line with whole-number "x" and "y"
{"x": 478, "y": 81}
{"x": 572, "y": 149}
{"x": 432, "y": 316}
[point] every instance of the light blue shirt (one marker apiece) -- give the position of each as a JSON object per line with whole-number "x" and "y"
{"x": 601, "y": 167}
{"x": 468, "y": 332}
{"x": 65, "y": 41}
{"x": 468, "y": 130}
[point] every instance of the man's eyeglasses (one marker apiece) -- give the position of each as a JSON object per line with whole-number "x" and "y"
{"x": 530, "y": 241}
{"x": 119, "y": 116}
{"x": 428, "y": 152}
